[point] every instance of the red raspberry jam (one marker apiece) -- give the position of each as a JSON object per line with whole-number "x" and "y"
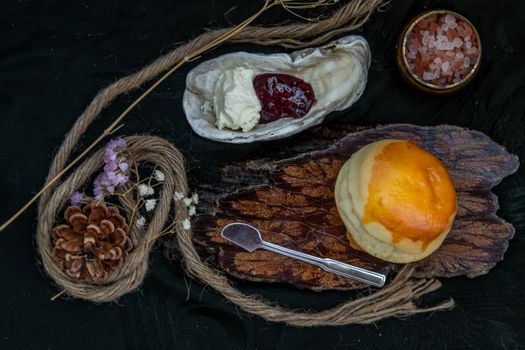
{"x": 283, "y": 96}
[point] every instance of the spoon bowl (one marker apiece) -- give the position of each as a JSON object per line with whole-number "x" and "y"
{"x": 244, "y": 235}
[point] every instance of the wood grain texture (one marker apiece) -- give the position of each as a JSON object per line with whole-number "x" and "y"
{"x": 291, "y": 200}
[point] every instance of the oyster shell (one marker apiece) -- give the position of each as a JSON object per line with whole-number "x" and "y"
{"x": 337, "y": 72}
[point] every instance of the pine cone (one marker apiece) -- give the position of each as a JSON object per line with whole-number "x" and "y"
{"x": 93, "y": 243}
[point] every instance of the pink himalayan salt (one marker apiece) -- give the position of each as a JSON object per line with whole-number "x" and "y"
{"x": 441, "y": 49}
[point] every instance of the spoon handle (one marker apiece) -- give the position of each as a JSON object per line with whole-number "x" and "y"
{"x": 366, "y": 276}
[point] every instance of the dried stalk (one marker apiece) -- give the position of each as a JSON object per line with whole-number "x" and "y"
{"x": 287, "y": 4}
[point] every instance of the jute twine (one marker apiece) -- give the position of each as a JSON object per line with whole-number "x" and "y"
{"x": 397, "y": 299}
{"x": 147, "y": 149}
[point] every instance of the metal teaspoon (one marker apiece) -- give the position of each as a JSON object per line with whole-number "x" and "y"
{"x": 249, "y": 238}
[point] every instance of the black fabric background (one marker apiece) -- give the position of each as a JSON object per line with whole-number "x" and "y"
{"x": 55, "y": 56}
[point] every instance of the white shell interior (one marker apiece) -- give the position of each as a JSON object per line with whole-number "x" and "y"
{"x": 349, "y": 55}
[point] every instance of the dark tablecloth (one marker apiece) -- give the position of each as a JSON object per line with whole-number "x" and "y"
{"x": 54, "y": 57}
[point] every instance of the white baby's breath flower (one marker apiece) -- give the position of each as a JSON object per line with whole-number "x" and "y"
{"x": 192, "y": 210}
{"x": 177, "y": 196}
{"x": 145, "y": 190}
{"x": 186, "y": 224}
{"x": 158, "y": 175}
{"x": 195, "y": 198}
{"x": 187, "y": 201}
{"x": 141, "y": 220}
{"x": 150, "y": 204}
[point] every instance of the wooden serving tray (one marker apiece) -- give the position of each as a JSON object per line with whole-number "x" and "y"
{"x": 291, "y": 201}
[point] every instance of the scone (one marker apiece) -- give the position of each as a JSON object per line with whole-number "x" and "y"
{"x": 396, "y": 200}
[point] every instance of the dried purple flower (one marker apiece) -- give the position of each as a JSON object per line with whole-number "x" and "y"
{"x": 76, "y": 198}
{"x": 123, "y": 166}
{"x": 115, "y": 169}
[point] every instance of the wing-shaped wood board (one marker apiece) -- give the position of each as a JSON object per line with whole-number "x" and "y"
{"x": 291, "y": 201}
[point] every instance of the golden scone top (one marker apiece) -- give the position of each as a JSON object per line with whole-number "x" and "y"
{"x": 396, "y": 200}
{"x": 410, "y": 193}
